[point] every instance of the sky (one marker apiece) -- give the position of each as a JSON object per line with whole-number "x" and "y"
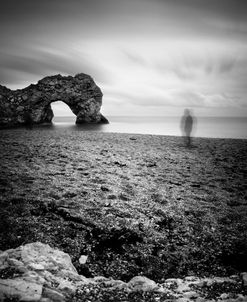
{"x": 149, "y": 57}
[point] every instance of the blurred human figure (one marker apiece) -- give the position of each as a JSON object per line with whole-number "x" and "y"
{"x": 187, "y": 126}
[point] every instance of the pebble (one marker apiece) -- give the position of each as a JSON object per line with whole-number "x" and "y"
{"x": 244, "y": 278}
{"x": 83, "y": 259}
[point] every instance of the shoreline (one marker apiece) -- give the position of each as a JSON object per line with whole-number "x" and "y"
{"x": 83, "y": 128}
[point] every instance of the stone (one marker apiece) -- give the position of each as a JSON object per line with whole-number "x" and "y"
{"x": 224, "y": 296}
{"x": 53, "y": 295}
{"x": 142, "y": 283}
{"x": 44, "y": 267}
{"x": 201, "y": 283}
{"x": 241, "y": 298}
{"x": 119, "y": 284}
{"x": 37, "y": 266}
{"x": 49, "y": 276}
{"x": 100, "y": 279}
{"x": 15, "y": 262}
{"x": 23, "y": 290}
{"x": 190, "y": 295}
{"x": 71, "y": 275}
{"x": 3, "y": 258}
{"x": 32, "y": 105}
{"x": 33, "y": 277}
{"x": 83, "y": 259}
{"x": 67, "y": 286}
{"x": 174, "y": 280}
{"x": 38, "y": 255}
{"x": 244, "y": 278}
{"x": 191, "y": 278}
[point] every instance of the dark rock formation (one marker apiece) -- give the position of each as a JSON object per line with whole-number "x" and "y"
{"x": 33, "y": 103}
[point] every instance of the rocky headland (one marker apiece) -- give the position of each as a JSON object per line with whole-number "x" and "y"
{"x": 32, "y": 105}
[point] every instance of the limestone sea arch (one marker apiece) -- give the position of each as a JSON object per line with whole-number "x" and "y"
{"x": 33, "y": 103}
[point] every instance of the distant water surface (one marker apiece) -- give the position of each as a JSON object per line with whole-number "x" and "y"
{"x": 213, "y": 127}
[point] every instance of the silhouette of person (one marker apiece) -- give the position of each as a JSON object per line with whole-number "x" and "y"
{"x": 187, "y": 126}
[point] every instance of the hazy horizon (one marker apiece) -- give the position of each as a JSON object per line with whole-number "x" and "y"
{"x": 211, "y": 127}
{"x": 148, "y": 57}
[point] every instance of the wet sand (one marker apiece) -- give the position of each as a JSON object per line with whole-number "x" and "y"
{"x": 135, "y": 204}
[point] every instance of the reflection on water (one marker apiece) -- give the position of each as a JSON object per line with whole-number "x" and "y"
{"x": 68, "y": 122}
{"x": 88, "y": 127}
{"x": 70, "y": 126}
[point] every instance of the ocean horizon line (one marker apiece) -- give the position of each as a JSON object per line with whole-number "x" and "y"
{"x": 212, "y": 127}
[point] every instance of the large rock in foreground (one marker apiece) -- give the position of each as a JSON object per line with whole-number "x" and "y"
{"x": 33, "y": 104}
{"x": 37, "y": 272}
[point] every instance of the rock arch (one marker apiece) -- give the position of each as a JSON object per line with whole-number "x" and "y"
{"x": 33, "y": 103}
{"x": 60, "y": 109}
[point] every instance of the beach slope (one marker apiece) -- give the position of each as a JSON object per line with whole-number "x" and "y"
{"x": 134, "y": 204}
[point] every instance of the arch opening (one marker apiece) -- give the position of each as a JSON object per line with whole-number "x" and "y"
{"x": 62, "y": 114}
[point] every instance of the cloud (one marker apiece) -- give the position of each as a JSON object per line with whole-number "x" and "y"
{"x": 195, "y": 99}
{"x": 135, "y": 58}
{"x": 143, "y": 54}
{"x": 177, "y": 98}
{"x": 210, "y": 18}
{"x": 187, "y": 98}
{"x": 219, "y": 100}
{"x": 226, "y": 64}
{"x": 191, "y": 66}
{"x": 158, "y": 98}
{"x": 41, "y": 62}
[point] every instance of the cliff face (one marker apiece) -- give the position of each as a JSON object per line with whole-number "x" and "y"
{"x": 33, "y": 104}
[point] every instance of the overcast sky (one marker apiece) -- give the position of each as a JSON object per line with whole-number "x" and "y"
{"x": 149, "y": 57}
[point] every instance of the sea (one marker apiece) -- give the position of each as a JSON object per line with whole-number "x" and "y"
{"x": 211, "y": 127}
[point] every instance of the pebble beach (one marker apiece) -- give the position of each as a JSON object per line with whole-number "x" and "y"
{"x": 133, "y": 204}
